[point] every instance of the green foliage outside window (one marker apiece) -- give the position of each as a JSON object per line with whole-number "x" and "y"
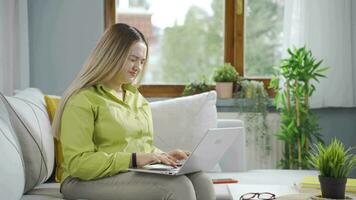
{"x": 263, "y": 36}
{"x": 193, "y": 49}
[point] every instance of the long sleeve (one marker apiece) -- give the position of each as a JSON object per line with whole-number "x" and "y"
{"x": 150, "y": 126}
{"x": 157, "y": 150}
{"x": 80, "y": 154}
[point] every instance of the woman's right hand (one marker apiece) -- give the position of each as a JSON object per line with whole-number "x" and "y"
{"x": 143, "y": 159}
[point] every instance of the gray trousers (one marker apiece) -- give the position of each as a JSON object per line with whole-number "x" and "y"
{"x": 137, "y": 186}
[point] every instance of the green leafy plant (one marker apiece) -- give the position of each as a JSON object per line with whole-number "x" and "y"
{"x": 225, "y": 73}
{"x": 253, "y": 100}
{"x": 333, "y": 160}
{"x": 299, "y": 126}
{"x": 238, "y": 86}
{"x": 196, "y": 87}
{"x": 255, "y": 91}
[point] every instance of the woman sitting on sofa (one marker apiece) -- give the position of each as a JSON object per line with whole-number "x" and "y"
{"x": 105, "y": 126}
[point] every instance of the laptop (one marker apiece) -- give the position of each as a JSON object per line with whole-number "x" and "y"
{"x": 205, "y": 155}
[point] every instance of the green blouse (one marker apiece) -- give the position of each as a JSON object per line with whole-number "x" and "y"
{"x": 100, "y": 131}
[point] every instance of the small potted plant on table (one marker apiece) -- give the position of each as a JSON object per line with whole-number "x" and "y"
{"x": 335, "y": 164}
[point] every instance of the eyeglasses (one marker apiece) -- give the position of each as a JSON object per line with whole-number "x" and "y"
{"x": 254, "y": 195}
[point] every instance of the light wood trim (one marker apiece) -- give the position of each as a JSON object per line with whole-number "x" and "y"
{"x": 239, "y": 38}
{"x": 229, "y": 42}
{"x": 163, "y": 90}
{"x": 109, "y": 13}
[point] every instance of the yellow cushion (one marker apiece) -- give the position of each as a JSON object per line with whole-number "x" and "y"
{"x": 52, "y": 103}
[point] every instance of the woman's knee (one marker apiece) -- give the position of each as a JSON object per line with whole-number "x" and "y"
{"x": 181, "y": 188}
{"x": 203, "y": 185}
{"x": 200, "y": 177}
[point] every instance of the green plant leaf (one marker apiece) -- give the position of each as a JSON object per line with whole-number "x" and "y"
{"x": 333, "y": 160}
{"x": 321, "y": 69}
{"x": 225, "y": 73}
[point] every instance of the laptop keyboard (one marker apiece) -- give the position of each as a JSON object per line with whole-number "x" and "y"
{"x": 156, "y": 166}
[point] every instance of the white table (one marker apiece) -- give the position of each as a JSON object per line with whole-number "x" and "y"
{"x": 278, "y": 182}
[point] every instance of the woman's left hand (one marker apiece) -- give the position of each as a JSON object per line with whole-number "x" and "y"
{"x": 179, "y": 154}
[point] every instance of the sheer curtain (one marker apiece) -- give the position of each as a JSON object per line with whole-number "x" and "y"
{"x": 325, "y": 27}
{"x": 14, "y": 46}
{"x": 328, "y": 28}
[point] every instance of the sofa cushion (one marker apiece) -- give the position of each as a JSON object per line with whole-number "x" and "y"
{"x": 47, "y": 189}
{"x": 181, "y": 122}
{"x": 12, "y": 176}
{"x": 51, "y": 103}
{"x": 30, "y": 121}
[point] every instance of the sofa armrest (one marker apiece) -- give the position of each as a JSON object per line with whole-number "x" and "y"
{"x": 234, "y": 159}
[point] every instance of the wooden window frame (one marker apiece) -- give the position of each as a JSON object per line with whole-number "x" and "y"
{"x": 233, "y": 47}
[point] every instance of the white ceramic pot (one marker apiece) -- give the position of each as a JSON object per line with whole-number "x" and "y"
{"x": 224, "y": 89}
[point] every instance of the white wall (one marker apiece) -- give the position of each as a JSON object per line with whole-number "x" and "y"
{"x": 353, "y": 35}
{"x": 14, "y": 50}
{"x": 62, "y": 33}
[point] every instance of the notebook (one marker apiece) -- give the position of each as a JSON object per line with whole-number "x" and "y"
{"x": 313, "y": 182}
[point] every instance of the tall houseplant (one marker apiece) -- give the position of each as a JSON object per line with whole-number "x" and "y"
{"x": 299, "y": 126}
{"x": 224, "y": 76}
{"x": 335, "y": 164}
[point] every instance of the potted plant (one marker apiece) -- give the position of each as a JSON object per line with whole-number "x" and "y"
{"x": 196, "y": 87}
{"x": 299, "y": 125}
{"x": 224, "y": 76}
{"x": 335, "y": 164}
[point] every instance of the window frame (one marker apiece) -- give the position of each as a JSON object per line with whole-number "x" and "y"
{"x": 233, "y": 47}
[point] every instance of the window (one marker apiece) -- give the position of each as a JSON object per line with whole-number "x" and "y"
{"x": 189, "y": 38}
{"x": 186, "y": 38}
{"x": 263, "y": 36}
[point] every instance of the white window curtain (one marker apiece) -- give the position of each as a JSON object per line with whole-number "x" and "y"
{"x": 326, "y": 27}
{"x": 14, "y": 46}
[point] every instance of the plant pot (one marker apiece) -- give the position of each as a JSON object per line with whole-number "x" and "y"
{"x": 333, "y": 188}
{"x": 224, "y": 89}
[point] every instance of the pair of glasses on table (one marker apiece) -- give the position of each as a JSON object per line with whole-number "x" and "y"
{"x": 258, "y": 196}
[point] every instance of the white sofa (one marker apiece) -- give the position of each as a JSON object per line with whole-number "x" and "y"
{"x": 27, "y": 148}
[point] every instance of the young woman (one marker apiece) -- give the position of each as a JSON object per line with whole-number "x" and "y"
{"x": 105, "y": 126}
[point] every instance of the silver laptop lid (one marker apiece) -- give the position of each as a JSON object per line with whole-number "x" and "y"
{"x": 211, "y": 149}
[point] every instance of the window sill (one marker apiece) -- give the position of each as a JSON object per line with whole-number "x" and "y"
{"x": 231, "y": 105}
{"x": 241, "y": 105}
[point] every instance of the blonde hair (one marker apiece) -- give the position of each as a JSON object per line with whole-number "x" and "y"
{"x": 104, "y": 62}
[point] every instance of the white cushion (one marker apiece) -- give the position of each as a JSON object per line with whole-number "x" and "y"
{"x": 31, "y": 123}
{"x": 12, "y": 175}
{"x": 182, "y": 122}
